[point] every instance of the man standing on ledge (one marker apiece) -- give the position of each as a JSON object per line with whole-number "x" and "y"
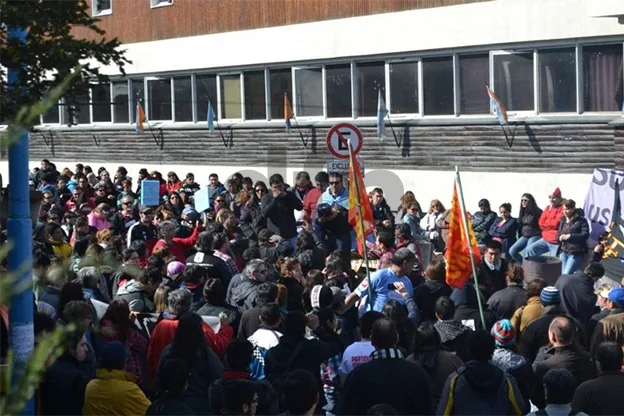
{"x": 278, "y": 208}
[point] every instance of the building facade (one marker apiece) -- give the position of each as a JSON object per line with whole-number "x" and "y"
{"x": 557, "y": 65}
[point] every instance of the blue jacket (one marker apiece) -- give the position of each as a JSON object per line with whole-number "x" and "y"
{"x": 507, "y": 233}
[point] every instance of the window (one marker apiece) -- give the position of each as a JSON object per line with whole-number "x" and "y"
{"x": 557, "y": 68}
{"x": 370, "y": 78}
{"x": 101, "y": 103}
{"x": 161, "y": 3}
{"x": 281, "y": 82}
{"x": 474, "y": 75}
{"x": 255, "y": 99}
{"x": 183, "y": 98}
{"x": 206, "y": 89}
{"x": 309, "y": 92}
{"x": 230, "y": 96}
{"x": 120, "y": 101}
{"x": 438, "y": 86}
{"x": 159, "y": 99}
{"x": 513, "y": 80}
{"x": 80, "y": 107}
{"x": 52, "y": 116}
{"x": 404, "y": 88}
{"x": 102, "y": 7}
{"x": 338, "y": 90}
{"x": 602, "y": 77}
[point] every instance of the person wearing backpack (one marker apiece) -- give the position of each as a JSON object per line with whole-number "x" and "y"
{"x": 481, "y": 388}
{"x": 265, "y": 338}
{"x": 295, "y": 352}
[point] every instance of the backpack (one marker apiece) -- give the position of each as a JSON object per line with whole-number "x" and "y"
{"x": 256, "y": 368}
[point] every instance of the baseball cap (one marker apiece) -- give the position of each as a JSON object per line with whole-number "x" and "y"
{"x": 191, "y": 214}
{"x": 175, "y": 268}
{"x": 143, "y": 209}
{"x": 113, "y": 355}
{"x": 616, "y": 295}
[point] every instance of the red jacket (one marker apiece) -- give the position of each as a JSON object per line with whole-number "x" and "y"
{"x": 165, "y": 331}
{"x": 549, "y": 223}
{"x": 178, "y": 246}
{"x": 309, "y": 202}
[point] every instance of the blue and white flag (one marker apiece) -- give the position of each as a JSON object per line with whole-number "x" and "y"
{"x": 382, "y": 112}
{"x": 210, "y": 117}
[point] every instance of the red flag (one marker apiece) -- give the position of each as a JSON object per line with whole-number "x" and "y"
{"x": 458, "y": 266}
{"x": 355, "y": 198}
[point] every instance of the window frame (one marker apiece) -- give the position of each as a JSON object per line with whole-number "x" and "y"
{"x": 581, "y": 74}
{"x": 421, "y": 85}
{"x": 242, "y": 96}
{"x": 146, "y": 97}
{"x": 173, "y": 102}
{"x": 295, "y": 102}
{"x": 518, "y": 51}
{"x": 351, "y": 64}
{"x": 388, "y": 94}
{"x": 354, "y": 89}
{"x": 111, "y": 108}
{"x": 578, "y": 85}
{"x": 59, "y": 120}
{"x": 156, "y": 4}
{"x": 267, "y": 95}
{"x": 96, "y": 12}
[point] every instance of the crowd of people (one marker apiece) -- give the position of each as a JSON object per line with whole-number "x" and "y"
{"x": 253, "y": 307}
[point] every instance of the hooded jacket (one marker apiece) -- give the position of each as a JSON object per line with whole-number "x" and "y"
{"x": 481, "y": 223}
{"x": 482, "y": 389}
{"x": 133, "y": 293}
{"x": 62, "y": 389}
{"x": 114, "y": 392}
{"x": 241, "y": 292}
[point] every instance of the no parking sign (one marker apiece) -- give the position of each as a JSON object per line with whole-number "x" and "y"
{"x": 337, "y": 140}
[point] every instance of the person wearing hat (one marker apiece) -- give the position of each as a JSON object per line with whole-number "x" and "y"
{"x": 507, "y": 359}
{"x": 549, "y": 224}
{"x": 611, "y": 328}
{"x": 144, "y": 229}
{"x": 114, "y": 391}
{"x": 605, "y": 307}
{"x": 189, "y": 219}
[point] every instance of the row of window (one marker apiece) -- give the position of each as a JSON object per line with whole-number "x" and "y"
{"x": 105, "y": 7}
{"x": 576, "y": 80}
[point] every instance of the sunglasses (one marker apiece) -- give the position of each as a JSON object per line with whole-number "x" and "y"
{"x": 335, "y": 182}
{"x": 524, "y": 200}
{"x": 260, "y": 190}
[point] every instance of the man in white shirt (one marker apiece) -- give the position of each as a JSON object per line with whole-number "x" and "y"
{"x": 359, "y": 352}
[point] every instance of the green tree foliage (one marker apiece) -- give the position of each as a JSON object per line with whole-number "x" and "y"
{"x": 51, "y": 52}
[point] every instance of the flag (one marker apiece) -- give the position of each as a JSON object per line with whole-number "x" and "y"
{"x": 288, "y": 112}
{"x": 458, "y": 265}
{"x": 210, "y": 117}
{"x": 140, "y": 118}
{"x": 498, "y": 106}
{"x": 382, "y": 112}
{"x": 613, "y": 257}
{"x": 355, "y": 198}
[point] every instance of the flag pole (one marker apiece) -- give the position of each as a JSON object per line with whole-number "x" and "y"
{"x": 361, "y": 225}
{"x": 146, "y": 120}
{"x": 472, "y": 260}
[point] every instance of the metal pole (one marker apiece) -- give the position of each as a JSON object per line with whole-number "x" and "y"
{"x": 361, "y": 225}
{"x": 19, "y": 229}
{"x": 472, "y": 260}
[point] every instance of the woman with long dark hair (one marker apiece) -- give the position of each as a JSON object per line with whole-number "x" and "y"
{"x": 398, "y": 313}
{"x": 170, "y": 401}
{"x": 189, "y": 345}
{"x": 116, "y": 325}
{"x": 174, "y": 204}
{"x": 528, "y": 221}
{"x": 310, "y": 252}
{"x": 251, "y": 220}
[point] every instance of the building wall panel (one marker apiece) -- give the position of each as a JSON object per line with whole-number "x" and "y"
{"x": 483, "y": 148}
{"x": 134, "y": 21}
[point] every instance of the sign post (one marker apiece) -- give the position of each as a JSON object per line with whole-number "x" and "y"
{"x": 338, "y": 145}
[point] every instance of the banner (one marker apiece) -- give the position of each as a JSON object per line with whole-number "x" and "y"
{"x": 599, "y": 201}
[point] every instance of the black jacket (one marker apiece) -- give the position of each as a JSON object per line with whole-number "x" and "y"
{"x": 174, "y": 406}
{"x": 252, "y": 221}
{"x": 426, "y": 296}
{"x": 481, "y": 223}
{"x": 400, "y": 383}
{"x": 601, "y": 396}
{"x": 578, "y": 229}
{"x": 529, "y": 224}
{"x": 62, "y": 390}
{"x": 577, "y": 296}
{"x": 381, "y": 213}
{"x": 571, "y": 357}
{"x": 491, "y": 281}
{"x": 506, "y": 301}
{"x": 249, "y": 322}
{"x": 217, "y": 267}
{"x": 279, "y": 213}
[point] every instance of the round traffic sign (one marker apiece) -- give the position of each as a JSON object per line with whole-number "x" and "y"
{"x": 337, "y": 140}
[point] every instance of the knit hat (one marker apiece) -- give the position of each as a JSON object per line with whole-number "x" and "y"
{"x": 556, "y": 193}
{"x": 550, "y": 296}
{"x": 175, "y": 268}
{"x": 504, "y": 333}
{"x": 321, "y": 297}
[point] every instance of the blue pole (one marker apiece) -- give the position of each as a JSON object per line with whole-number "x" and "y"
{"x": 19, "y": 229}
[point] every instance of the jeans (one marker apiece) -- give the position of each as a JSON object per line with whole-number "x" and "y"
{"x": 339, "y": 242}
{"x": 293, "y": 241}
{"x": 519, "y": 245}
{"x": 541, "y": 247}
{"x": 570, "y": 262}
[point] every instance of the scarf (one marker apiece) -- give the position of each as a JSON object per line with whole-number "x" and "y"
{"x": 387, "y": 354}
